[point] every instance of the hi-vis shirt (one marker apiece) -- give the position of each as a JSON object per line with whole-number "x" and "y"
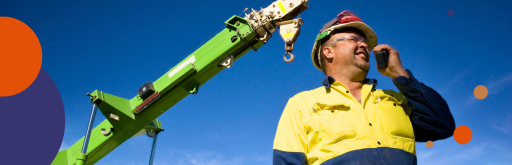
{"x": 329, "y": 126}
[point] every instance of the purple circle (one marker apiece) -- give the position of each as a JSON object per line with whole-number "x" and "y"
{"x": 451, "y": 12}
{"x": 33, "y": 123}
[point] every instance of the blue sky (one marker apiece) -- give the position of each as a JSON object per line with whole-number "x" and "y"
{"x": 117, "y": 46}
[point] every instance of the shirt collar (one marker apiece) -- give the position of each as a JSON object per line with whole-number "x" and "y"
{"x": 371, "y": 82}
{"x": 328, "y": 80}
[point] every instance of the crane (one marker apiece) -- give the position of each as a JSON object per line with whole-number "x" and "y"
{"x": 126, "y": 118}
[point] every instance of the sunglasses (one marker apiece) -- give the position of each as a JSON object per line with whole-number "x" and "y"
{"x": 351, "y": 38}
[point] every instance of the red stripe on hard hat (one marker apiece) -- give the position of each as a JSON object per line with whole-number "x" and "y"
{"x": 348, "y": 19}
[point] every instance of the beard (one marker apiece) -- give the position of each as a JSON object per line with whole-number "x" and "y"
{"x": 364, "y": 65}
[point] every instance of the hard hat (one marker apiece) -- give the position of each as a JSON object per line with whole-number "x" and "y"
{"x": 343, "y": 20}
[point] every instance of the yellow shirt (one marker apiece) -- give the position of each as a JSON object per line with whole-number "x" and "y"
{"x": 328, "y": 125}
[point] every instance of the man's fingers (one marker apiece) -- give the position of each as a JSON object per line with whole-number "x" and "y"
{"x": 378, "y": 48}
{"x": 382, "y": 47}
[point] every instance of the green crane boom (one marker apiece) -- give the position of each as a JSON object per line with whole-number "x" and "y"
{"x": 127, "y": 118}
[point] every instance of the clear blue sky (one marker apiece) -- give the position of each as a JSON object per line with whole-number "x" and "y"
{"x": 117, "y": 46}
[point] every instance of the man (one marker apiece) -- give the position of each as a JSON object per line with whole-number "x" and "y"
{"x": 348, "y": 120}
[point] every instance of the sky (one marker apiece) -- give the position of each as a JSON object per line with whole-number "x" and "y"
{"x": 117, "y": 46}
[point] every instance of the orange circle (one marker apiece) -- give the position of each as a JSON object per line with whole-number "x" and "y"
{"x": 430, "y": 144}
{"x": 462, "y": 134}
{"x": 481, "y": 92}
{"x": 20, "y": 56}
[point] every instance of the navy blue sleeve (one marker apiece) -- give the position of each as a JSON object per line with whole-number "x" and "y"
{"x": 288, "y": 158}
{"x": 430, "y": 115}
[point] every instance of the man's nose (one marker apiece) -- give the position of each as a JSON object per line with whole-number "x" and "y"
{"x": 363, "y": 45}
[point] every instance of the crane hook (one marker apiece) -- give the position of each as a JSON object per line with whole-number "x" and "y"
{"x": 289, "y": 60}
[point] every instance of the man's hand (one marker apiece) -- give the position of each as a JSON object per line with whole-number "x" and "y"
{"x": 395, "y": 68}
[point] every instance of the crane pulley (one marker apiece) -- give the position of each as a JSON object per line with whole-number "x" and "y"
{"x": 289, "y": 31}
{"x": 279, "y": 14}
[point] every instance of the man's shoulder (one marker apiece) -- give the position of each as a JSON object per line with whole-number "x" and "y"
{"x": 309, "y": 93}
{"x": 303, "y": 101}
{"x": 309, "y": 97}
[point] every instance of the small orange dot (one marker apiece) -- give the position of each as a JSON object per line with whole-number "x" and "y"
{"x": 20, "y": 56}
{"x": 462, "y": 134}
{"x": 481, "y": 92}
{"x": 430, "y": 144}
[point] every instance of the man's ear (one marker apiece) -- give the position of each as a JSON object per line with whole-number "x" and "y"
{"x": 328, "y": 52}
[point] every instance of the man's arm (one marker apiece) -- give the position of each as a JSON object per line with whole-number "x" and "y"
{"x": 430, "y": 115}
{"x": 290, "y": 143}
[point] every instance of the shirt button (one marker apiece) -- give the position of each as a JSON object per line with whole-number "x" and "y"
{"x": 394, "y": 104}
{"x": 332, "y": 111}
{"x": 347, "y": 91}
{"x": 370, "y": 124}
{"x": 378, "y": 142}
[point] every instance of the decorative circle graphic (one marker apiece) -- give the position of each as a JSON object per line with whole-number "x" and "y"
{"x": 430, "y": 144}
{"x": 462, "y": 134}
{"x": 21, "y": 56}
{"x": 33, "y": 123}
{"x": 451, "y": 12}
{"x": 481, "y": 92}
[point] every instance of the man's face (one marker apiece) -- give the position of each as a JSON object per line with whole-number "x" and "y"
{"x": 350, "y": 53}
